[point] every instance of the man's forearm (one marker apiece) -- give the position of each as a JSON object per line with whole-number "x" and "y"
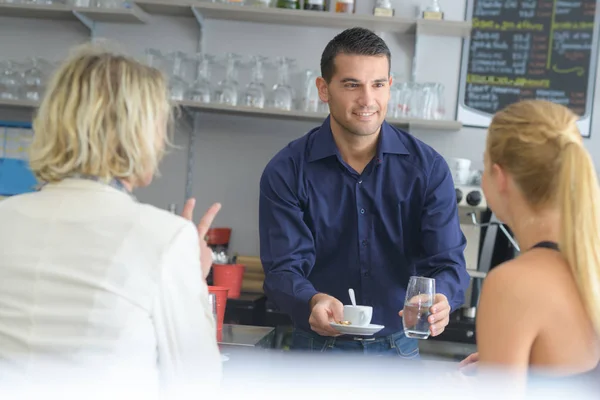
{"x": 452, "y": 283}
{"x": 290, "y": 292}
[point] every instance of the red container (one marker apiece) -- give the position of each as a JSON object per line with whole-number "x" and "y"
{"x": 221, "y": 298}
{"x": 218, "y": 236}
{"x": 229, "y": 276}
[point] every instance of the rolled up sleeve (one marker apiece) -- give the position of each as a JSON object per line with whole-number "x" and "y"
{"x": 442, "y": 240}
{"x": 287, "y": 248}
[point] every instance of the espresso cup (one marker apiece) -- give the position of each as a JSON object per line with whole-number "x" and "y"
{"x": 358, "y": 315}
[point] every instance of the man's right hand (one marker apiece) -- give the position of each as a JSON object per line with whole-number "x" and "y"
{"x": 325, "y": 309}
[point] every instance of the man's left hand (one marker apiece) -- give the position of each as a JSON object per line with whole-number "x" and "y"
{"x": 440, "y": 315}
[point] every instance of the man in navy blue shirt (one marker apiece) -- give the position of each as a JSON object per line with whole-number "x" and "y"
{"x": 357, "y": 203}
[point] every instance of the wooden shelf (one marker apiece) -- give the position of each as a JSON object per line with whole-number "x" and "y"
{"x": 305, "y": 18}
{"x": 62, "y": 12}
{"x": 443, "y": 28}
{"x": 297, "y": 115}
{"x": 174, "y": 8}
{"x": 133, "y": 15}
{"x": 27, "y": 105}
{"x": 138, "y": 14}
{"x": 428, "y": 124}
{"x": 37, "y": 11}
{"x": 441, "y": 125}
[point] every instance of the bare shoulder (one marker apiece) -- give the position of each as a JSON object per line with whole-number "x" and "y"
{"x": 528, "y": 277}
{"x": 508, "y": 274}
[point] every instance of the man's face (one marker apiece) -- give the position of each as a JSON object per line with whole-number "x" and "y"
{"x": 358, "y": 93}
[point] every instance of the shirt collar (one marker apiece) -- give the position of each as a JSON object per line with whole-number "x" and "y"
{"x": 390, "y": 142}
{"x": 324, "y": 146}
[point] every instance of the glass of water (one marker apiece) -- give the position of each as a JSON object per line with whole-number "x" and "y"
{"x": 420, "y": 295}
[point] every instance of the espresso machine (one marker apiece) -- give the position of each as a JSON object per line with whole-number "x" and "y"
{"x": 471, "y": 204}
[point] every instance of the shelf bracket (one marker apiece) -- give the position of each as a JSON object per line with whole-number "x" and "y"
{"x": 189, "y": 179}
{"x": 188, "y": 116}
{"x": 200, "y": 19}
{"x": 195, "y": 116}
{"x": 415, "y": 63}
{"x": 91, "y": 25}
{"x": 187, "y": 121}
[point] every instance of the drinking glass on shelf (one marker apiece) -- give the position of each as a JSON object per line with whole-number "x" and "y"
{"x": 432, "y": 101}
{"x": 200, "y": 90}
{"x": 81, "y": 3}
{"x": 402, "y": 100}
{"x": 283, "y": 94}
{"x": 393, "y": 102}
{"x": 427, "y": 101}
{"x": 109, "y": 3}
{"x": 416, "y": 101}
{"x": 255, "y": 91}
{"x": 227, "y": 90}
{"x": 33, "y": 79}
{"x": 310, "y": 101}
{"x": 10, "y": 80}
{"x": 155, "y": 58}
{"x": 178, "y": 85}
{"x": 420, "y": 295}
{"x": 439, "y": 111}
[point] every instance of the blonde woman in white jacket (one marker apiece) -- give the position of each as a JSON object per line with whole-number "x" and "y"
{"x": 97, "y": 288}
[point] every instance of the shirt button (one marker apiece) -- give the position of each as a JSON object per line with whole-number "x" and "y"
{"x": 362, "y": 210}
{"x": 364, "y": 242}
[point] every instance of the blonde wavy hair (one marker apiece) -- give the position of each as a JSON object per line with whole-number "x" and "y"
{"x": 103, "y": 114}
{"x": 539, "y": 144}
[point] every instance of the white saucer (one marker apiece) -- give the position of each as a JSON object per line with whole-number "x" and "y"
{"x": 366, "y": 330}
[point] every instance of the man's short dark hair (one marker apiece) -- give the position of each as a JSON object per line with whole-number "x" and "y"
{"x": 353, "y": 41}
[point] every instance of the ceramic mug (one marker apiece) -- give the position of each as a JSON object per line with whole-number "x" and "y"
{"x": 358, "y": 315}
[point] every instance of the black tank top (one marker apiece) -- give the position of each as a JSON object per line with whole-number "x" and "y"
{"x": 546, "y": 245}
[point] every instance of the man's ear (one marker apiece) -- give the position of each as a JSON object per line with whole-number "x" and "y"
{"x": 323, "y": 89}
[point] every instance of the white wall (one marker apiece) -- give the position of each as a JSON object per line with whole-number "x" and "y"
{"x": 231, "y": 151}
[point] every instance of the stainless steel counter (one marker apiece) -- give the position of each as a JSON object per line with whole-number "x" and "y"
{"x": 247, "y": 336}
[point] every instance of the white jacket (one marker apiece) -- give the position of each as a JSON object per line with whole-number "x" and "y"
{"x": 98, "y": 288}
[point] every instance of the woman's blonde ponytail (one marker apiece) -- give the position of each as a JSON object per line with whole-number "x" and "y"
{"x": 578, "y": 196}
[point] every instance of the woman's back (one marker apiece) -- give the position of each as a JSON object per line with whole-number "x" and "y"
{"x": 566, "y": 339}
{"x": 89, "y": 277}
{"x": 536, "y": 300}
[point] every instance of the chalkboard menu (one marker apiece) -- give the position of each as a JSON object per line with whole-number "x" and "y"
{"x": 528, "y": 49}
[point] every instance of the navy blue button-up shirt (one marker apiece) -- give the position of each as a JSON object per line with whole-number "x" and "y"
{"x": 325, "y": 228}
